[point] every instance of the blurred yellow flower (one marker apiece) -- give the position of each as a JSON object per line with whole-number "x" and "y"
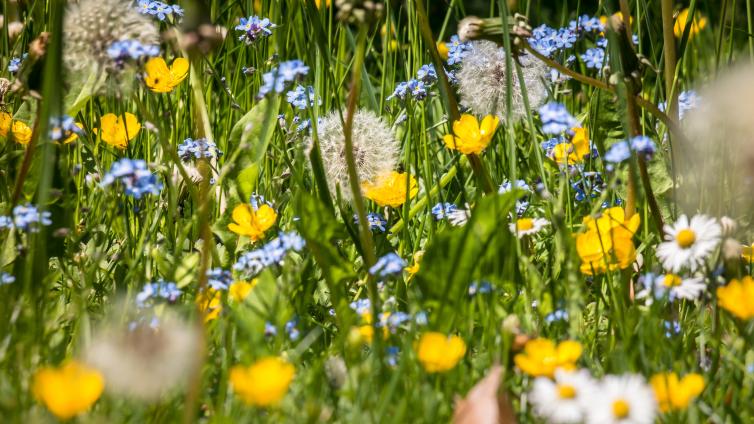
{"x": 319, "y": 3}
{"x": 69, "y": 390}
{"x": 252, "y": 223}
{"x": 160, "y": 79}
{"x": 116, "y": 131}
{"x": 209, "y": 303}
{"x": 738, "y": 297}
{"x": 21, "y": 132}
{"x": 541, "y": 357}
{"x": 5, "y": 120}
{"x": 607, "y": 244}
{"x": 575, "y": 151}
{"x": 619, "y": 15}
{"x": 264, "y": 383}
{"x": 699, "y": 23}
{"x": 442, "y": 48}
{"x": 676, "y": 394}
{"x": 470, "y": 135}
{"x": 438, "y": 352}
{"x": 390, "y": 189}
{"x": 413, "y": 269}
{"x": 73, "y": 137}
{"x": 240, "y": 290}
{"x": 747, "y": 253}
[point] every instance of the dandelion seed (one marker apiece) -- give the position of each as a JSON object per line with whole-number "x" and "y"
{"x": 145, "y": 362}
{"x": 483, "y": 87}
{"x": 92, "y": 26}
{"x": 375, "y": 149}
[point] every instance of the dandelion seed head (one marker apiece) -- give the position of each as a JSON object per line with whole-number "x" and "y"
{"x": 92, "y": 26}
{"x": 482, "y": 81}
{"x": 375, "y": 149}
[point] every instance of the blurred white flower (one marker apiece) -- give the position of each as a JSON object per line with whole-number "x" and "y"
{"x": 688, "y": 243}
{"x": 561, "y": 400}
{"x": 621, "y": 399}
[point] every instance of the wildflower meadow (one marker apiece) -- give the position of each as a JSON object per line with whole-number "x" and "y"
{"x": 366, "y": 211}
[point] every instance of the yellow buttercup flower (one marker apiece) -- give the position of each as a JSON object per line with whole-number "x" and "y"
{"x": 319, "y": 3}
{"x": 264, "y": 383}
{"x": 442, "y": 48}
{"x": 673, "y": 393}
{"x": 575, "y": 151}
{"x": 608, "y": 242}
{"x": 391, "y": 189}
{"x": 681, "y": 21}
{"x": 69, "y": 390}
{"x": 470, "y": 135}
{"x": 116, "y": 131}
{"x": 240, "y": 290}
{"x": 438, "y": 352}
{"x": 21, "y": 132}
{"x": 738, "y": 297}
{"x": 413, "y": 269}
{"x": 541, "y": 357}
{"x": 160, "y": 79}
{"x": 5, "y": 121}
{"x": 209, "y": 303}
{"x": 252, "y": 223}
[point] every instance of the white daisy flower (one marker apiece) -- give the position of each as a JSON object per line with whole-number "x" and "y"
{"x": 561, "y": 401}
{"x": 688, "y": 244}
{"x": 526, "y": 226}
{"x": 672, "y": 285}
{"x": 621, "y": 399}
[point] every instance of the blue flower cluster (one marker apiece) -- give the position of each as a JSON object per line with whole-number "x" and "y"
{"x": 6, "y": 278}
{"x": 15, "y": 64}
{"x": 457, "y": 50}
{"x": 196, "y": 149}
{"x": 278, "y": 78}
{"x": 390, "y": 264}
{"x": 590, "y": 185}
{"x": 687, "y": 100}
{"x": 160, "y": 10}
{"x": 621, "y": 150}
{"x": 252, "y": 263}
{"x": 375, "y": 221}
{"x": 26, "y": 218}
{"x": 548, "y": 41}
{"x": 292, "y": 330}
{"x": 134, "y": 176}
{"x": 556, "y": 119}
{"x": 160, "y": 289}
{"x": 522, "y": 204}
{"x": 442, "y": 210}
{"x": 482, "y": 287}
{"x": 122, "y": 51}
{"x": 556, "y": 315}
{"x": 594, "y": 58}
{"x": 303, "y": 97}
{"x": 393, "y": 320}
{"x": 586, "y": 23}
{"x": 419, "y": 87}
{"x": 361, "y": 306}
{"x": 254, "y": 28}
{"x": 62, "y": 127}
{"x": 219, "y": 279}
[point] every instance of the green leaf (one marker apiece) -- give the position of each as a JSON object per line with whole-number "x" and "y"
{"x": 185, "y": 274}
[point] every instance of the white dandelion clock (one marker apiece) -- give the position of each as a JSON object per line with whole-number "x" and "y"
{"x": 527, "y": 226}
{"x": 375, "y": 149}
{"x": 560, "y": 401}
{"x": 92, "y": 26}
{"x": 145, "y": 360}
{"x": 688, "y": 243}
{"x": 483, "y": 86}
{"x": 621, "y": 399}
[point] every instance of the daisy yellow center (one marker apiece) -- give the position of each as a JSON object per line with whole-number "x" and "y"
{"x": 620, "y": 408}
{"x": 671, "y": 280}
{"x": 685, "y": 238}
{"x": 566, "y": 391}
{"x": 524, "y": 224}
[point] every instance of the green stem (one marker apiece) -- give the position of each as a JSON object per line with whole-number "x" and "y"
{"x": 670, "y": 56}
